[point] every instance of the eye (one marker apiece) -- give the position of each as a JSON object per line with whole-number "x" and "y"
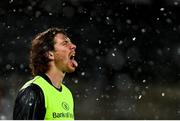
{"x": 65, "y": 42}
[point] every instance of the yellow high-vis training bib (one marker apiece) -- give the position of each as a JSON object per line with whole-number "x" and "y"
{"x": 59, "y": 104}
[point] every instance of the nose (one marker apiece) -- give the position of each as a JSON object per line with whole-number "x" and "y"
{"x": 73, "y": 46}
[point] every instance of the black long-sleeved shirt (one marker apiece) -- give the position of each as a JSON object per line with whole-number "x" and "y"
{"x": 30, "y": 103}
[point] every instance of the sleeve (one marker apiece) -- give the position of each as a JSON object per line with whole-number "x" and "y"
{"x": 30, "y": 104}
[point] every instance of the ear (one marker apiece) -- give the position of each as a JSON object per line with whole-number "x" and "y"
{"x": 51, "y": 55}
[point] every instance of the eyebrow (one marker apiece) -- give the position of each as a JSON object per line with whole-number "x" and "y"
{"x": 67, "y": 38}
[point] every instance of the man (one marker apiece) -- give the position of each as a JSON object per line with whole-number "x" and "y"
{"x": 45, "y": 97}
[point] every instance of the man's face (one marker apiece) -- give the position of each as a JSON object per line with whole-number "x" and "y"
{"x": 64, "y": 53}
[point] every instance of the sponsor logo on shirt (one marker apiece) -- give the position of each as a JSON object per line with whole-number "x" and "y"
{"x": 65, "y": 106}
{"x": 62, "y": 115}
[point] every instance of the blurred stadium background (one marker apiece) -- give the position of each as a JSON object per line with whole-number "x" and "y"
{"x": 128, "y": 53}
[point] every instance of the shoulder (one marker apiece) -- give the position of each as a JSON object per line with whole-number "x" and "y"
{"x": 32, "y": 91}
{"x": 34, "y": 88}
{"x": 65, "y": 89}
{"x": 29, "y": 103}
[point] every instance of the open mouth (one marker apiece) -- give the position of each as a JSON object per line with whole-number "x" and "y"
{"x": 73, "y": 61}
{"x": 72, "y": 57}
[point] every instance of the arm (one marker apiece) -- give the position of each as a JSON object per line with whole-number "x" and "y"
{"x": 29, "y": 104}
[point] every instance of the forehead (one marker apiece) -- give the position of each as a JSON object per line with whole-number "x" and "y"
{"x": 60, "y": 37}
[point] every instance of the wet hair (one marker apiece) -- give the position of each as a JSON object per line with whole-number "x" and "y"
{"x": 40, "y": 46}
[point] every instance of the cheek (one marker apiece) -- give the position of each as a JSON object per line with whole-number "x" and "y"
{"x": 61, "y": 56}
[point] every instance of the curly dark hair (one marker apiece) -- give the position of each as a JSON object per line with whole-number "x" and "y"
{"x": 41, "y": 45}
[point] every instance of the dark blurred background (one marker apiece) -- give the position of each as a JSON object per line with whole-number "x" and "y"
{"x": 128, "y": 53}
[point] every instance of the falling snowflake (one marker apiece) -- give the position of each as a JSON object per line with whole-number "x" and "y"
{"x": 163, "y": 94}
{"x": 83, "y": 73}
{"x": 10, "y": 1}
{"x": 162, "y": 9}
{"x": 76, "y": 81}
{"x": 134, "y": 38}
{"x": 113, "y": 54}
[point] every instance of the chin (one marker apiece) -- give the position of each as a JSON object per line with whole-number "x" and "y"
{"x": 71, "y": 70}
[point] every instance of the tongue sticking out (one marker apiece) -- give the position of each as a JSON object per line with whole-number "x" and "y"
{"x": 75, "y": 64}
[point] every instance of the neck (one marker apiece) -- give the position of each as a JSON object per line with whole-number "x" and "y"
{"x": 56, "y": 77}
